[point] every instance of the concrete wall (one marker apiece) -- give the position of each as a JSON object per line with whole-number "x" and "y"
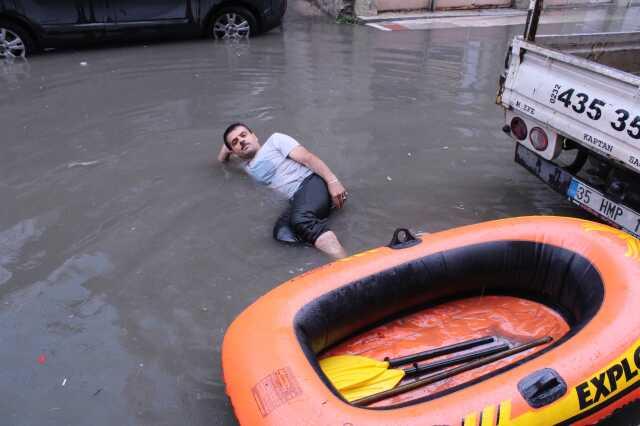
{"x": 383, "y": 5}
{"x": 372, "y": 7}
{"x": 470, "y": 4}
{"x": 336, "y": 7}
{"x": 524, "y": 4}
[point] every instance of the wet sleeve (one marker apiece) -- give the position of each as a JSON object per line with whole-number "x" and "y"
{"x": 285, "y": 143}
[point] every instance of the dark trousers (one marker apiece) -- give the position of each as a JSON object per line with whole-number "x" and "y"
{"x": 306, "y": 218}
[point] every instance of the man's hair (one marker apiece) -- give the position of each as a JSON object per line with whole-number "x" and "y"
{"x": 230, "y": 129}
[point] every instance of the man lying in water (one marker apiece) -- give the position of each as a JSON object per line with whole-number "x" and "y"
{"x": 304, "y": 179}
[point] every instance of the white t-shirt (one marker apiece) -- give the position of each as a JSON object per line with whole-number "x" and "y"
{"x": 272, "y": 167}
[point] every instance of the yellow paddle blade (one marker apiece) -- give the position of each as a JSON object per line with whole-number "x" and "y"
{"x": 385, "y": 381}
{"x": 345, "y": 371}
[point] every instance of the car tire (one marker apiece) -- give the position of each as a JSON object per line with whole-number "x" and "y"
{"x": 233, "y": 23}
{"x": 15, "y": 41}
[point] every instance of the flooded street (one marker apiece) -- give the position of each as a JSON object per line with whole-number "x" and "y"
{"x": 126, "y": 250}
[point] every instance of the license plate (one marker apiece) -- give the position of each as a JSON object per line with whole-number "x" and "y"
{"x": 584, "y": 195}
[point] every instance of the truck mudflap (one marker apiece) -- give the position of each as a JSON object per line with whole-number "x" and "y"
{"x": 578, "y": 192}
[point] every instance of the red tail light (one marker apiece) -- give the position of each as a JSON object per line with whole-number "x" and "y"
{"x": 519, "y": 128}
{"x": 538, "y": 139}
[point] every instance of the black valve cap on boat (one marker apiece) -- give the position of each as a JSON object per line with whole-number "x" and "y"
{"x": 403, "y": 238}
{"x": 542, "y": 387}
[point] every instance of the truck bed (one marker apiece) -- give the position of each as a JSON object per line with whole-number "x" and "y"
{"x": 616, "y": 50}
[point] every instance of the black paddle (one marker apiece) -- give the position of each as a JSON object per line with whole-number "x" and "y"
{"x": 436, "y": 377}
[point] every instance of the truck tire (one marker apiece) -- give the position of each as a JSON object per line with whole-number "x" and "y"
{"x": 15, "y": 41}
{"x": 579, "y": 161}
{"x": 233, "y": 23}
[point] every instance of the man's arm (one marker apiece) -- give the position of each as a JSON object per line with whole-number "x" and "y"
{"x": 224, "y": 154}
{"x": 336, "y": 190}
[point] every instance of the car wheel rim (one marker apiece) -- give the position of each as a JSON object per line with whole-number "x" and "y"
{"x": 11, "y": 45}
{"x": 231, "y": 26}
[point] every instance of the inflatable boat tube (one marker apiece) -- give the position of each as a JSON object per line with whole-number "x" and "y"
{"x": 587, "y": 272}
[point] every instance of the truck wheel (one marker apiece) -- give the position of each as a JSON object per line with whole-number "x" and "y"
{"x": 15, "y": 41}
{"x": 233, "y": 23}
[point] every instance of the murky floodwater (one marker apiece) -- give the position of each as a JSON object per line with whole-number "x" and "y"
{"x": 125, "y": 251}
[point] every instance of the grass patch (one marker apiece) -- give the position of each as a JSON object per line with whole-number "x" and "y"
{"x": 346, "y": 19}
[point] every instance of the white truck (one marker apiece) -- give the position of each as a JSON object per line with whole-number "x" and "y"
{"x": 572, "y": 104}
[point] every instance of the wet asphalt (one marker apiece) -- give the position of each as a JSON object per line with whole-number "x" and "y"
{"x": 126, "y": 251}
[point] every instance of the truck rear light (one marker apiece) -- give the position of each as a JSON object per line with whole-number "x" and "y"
{"x": 519, "y": 128}
{"x": 538, "y": 139}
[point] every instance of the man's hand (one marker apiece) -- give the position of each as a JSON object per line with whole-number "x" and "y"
{"x": 224, "y": 154}
{"x": 316, "y": 165}
{"x": 338, "y": 193}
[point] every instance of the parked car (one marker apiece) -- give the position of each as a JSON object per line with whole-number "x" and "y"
{"x": 29, "y": 25}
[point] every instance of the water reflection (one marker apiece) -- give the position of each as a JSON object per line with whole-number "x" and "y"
{"x": 13, "y": 71}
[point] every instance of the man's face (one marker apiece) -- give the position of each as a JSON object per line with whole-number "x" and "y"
{"x": 244, "y": 143}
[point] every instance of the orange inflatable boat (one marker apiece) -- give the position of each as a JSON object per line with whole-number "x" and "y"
{"x": 524, "y": 321}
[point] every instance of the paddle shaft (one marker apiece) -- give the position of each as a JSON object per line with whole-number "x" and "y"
{"x": 444, "y": 350}
{"x": 448, "y": 373}
{"x": 439, "y": 365}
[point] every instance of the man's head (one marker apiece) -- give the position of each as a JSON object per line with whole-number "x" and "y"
{"x": 241, "y": 141}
